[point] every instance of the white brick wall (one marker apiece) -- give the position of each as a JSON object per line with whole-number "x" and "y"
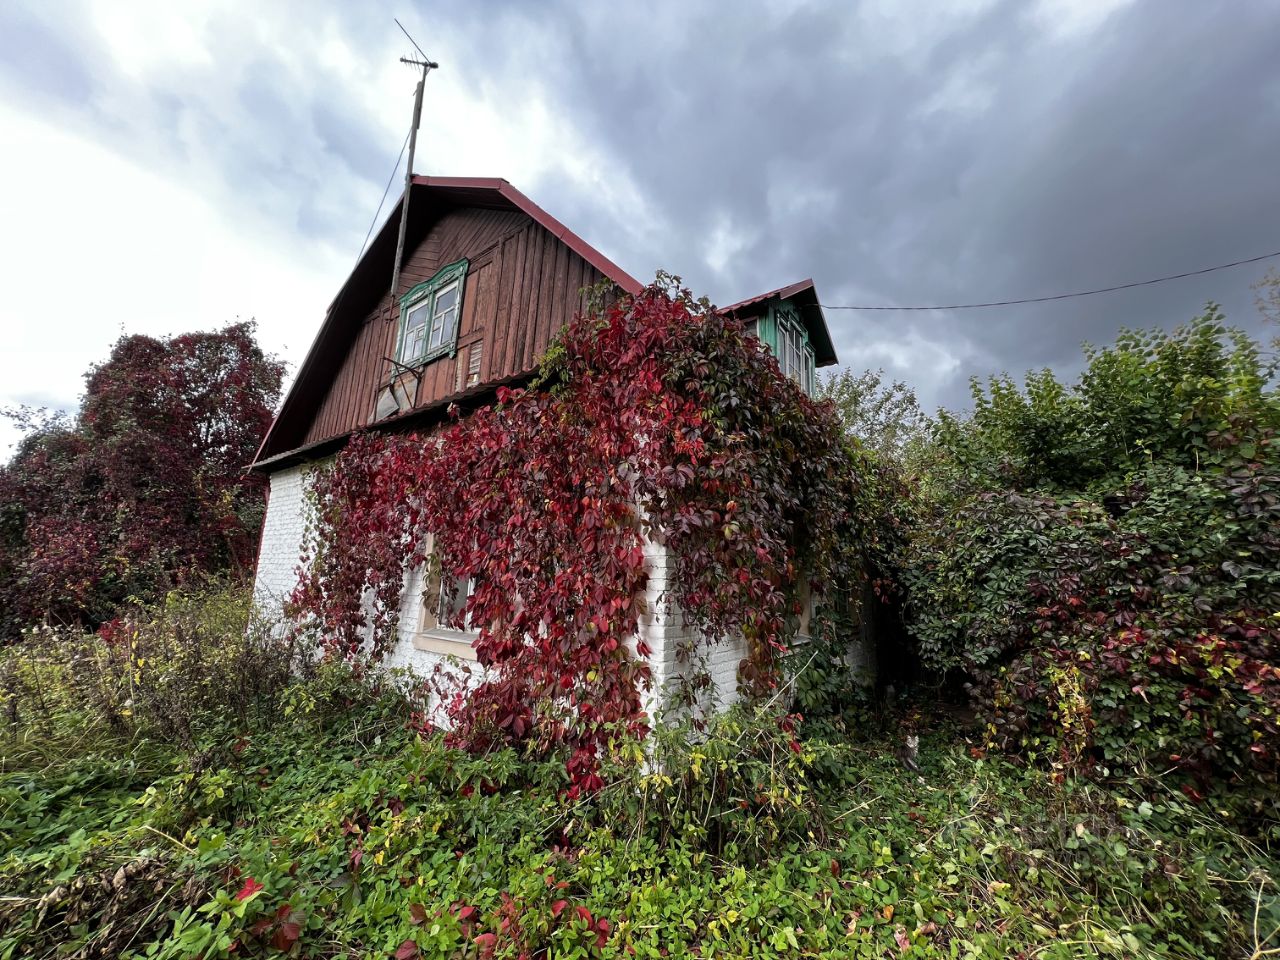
{"x": 661, "y": 625}
{"x": 282, "y": 532}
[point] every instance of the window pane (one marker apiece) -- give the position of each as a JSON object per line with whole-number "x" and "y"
{"x": 415, "y": 332}
{"x": 447, "y": 298}
{"x": 453, "y": 600}
{"x": 444, "y": 312}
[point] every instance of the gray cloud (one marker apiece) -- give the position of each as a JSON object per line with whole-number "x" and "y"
{"x": 895, "y": 156}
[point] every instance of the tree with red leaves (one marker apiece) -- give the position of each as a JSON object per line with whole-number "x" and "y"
{"x": 145, "y": 488}
{"x": 657, "y": 419}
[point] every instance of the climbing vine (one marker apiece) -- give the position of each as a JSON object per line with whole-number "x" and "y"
{"x": 655, "y": 418}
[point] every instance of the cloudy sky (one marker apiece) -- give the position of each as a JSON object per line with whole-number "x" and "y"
{"x": 169, "y": 166}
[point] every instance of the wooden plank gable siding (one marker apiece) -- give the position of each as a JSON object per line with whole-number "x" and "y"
{"x": 522, "y": 286}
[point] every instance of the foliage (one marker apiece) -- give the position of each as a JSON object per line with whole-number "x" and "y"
{"x": 661, "y": 420}
{"x": 332, "y": 829}
{"x": 1104, "y": 558}
{"x": 169, "y": 671}
{"x": 884, "y": 416}
{"x": 146, "y": 488}
{"x": 1267, "y": 297}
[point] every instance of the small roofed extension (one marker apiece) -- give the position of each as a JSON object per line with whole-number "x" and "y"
{"x": 487, "y": 280}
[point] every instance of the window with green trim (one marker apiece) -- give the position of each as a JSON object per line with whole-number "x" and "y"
{"x": 795, "y": 354}
{"x": 429, "y": 315}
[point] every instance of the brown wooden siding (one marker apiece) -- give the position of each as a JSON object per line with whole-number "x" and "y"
{"x": 522, "y": 286}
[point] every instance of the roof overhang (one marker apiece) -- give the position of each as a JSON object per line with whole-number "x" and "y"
{"x": 371, "y": 278}
{"x": 804, "y": 295}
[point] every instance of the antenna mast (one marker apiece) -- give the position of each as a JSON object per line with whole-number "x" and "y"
{"x": 427, "y": 65}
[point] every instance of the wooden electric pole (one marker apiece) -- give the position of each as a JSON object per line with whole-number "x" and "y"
{"x": 427, "y": 66}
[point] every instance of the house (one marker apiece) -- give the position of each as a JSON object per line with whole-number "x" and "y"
{"x": 488, "y": 278}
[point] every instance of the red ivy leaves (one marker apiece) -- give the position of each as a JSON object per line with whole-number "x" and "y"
{"x": 666, "y": 424}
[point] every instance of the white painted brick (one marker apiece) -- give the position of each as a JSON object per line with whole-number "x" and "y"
{"x": 661, "y": 625}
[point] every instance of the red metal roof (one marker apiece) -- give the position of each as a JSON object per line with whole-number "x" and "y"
{"x": 557, "y": 229}
{"x": 782, "y": 293}
{"x": 491, "y": 192}
{"x": 805, "y": 295}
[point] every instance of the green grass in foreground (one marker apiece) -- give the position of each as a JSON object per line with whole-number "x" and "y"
{"x": 340, "y": 833}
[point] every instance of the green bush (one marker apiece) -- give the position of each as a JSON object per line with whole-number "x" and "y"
{"x": 337, "y": 831}
{"x": 1103, "y": 560}
{"x": 196, "y": 660}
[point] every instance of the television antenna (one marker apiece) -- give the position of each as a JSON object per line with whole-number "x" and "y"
{"x": 426, "y": 65}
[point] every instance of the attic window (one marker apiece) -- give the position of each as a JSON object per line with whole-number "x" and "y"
{"x": 429, "y": 316}
{"x": 795, "y": 354}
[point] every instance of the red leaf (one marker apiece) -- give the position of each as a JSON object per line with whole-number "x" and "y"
{"x": 251, "y": 886}
{"x": 417, "y": 914}
{"x": 557, "y": 908}
{"x": 407, "y": 950}
{"x": 286, "y": 936}
{"x": 900, "y": 937}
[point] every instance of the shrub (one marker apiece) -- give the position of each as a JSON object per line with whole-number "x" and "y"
{"x": 145, "y": 488}
{"x": 1103, "y": 560}
{"x": 170, "y": 671}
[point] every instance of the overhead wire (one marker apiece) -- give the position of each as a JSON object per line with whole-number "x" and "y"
{"x": 385, "y": 190}
{"x": 1056, "y": 296}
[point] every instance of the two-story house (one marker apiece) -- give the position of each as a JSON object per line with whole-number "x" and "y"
{"x": 488, "y": 278}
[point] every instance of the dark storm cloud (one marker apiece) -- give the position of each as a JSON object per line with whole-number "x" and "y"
{"x": 997, "y": 161}
{"x": 897, "y": 156}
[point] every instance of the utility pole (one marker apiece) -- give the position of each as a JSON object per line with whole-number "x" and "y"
{"x": 427, "y": 66}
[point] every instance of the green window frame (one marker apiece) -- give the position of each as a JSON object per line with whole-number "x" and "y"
{"x": 430, "y": 316}
{"x": 794, "y": 352}
{"x": 782, "y": 332}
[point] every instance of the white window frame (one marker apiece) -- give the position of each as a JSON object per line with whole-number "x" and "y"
{"x": 427, "y": 332}
{"x": 432, "y": 636}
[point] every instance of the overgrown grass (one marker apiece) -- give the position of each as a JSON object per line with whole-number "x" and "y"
{"x": 320, "y": 824}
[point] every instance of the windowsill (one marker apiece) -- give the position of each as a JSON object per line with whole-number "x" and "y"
{"x": 445, "y": 350}
{"x": 448, "y": 643}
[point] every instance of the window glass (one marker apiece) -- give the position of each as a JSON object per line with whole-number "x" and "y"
{"x": 443, "y": 315}
{"x": 415, "y": 333}
{"x": 452, "y": 600}
{"x": 795, "y": 356}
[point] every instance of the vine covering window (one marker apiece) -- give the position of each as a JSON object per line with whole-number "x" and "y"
{"x": 429, "y": 315}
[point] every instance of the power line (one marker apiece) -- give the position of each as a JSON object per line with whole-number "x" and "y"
{"x": 385, "y": 190}
{"x": 372, "y": 223}
{"x": 1063, "y": 296}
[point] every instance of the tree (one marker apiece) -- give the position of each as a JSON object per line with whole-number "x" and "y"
{"x": 1267, "y": 298}
{"x": 145, "y": 487}
{"x": 882, "y": 415}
